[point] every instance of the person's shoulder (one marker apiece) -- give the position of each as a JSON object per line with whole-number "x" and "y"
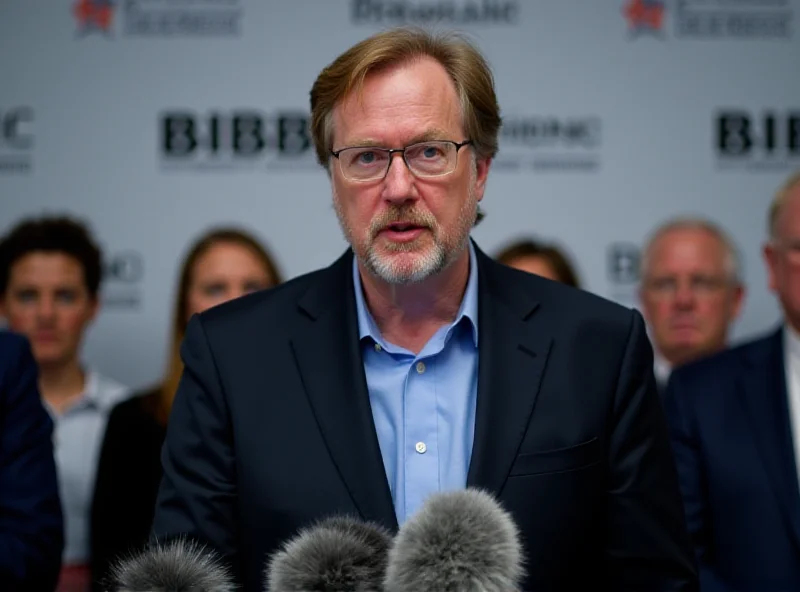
{"x": 16, "y": 358}
{"x": 137, "y": 409}
{"x": 10, "y": 341}
{"x": 13, "y": 347}
{"x": 728, "y": 363}
{"x": 574, "y": 304}
{"x": 138, "y": 403}
{"x": 108, "y": 391}
{"x": 272, "y": 305}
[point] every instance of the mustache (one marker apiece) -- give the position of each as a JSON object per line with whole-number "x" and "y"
{"x": 401, "y": 215}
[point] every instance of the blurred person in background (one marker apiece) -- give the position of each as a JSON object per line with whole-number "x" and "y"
{"x": 735, "y": 428}
{"x": 221, "y": 265}
{"x": 50, "y": 272}
{"x": 691, "y": 291}
{"x": 31, "y": 522}
{"x": 545, "y": 260}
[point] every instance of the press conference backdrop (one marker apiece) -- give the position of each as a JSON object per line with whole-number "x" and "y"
{"x": 155, "y": 119}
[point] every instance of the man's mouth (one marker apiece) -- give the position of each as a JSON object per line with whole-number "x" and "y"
{"x": 403, "y": 227}
{"x": 402, "y": 231}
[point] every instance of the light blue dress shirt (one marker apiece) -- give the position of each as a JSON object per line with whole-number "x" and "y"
{"x": 424, "y": 405}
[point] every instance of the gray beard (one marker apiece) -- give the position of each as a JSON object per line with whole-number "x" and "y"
{"x": 430, "y": 262}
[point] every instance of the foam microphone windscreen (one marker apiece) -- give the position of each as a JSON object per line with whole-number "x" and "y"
{"x": 336, "y": 555}
{"x": 177, "y": 566}
{"x": 458, "y": 541}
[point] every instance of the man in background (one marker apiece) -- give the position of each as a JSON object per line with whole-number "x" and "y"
{"x": 735, "y": 426}
{"x": 691, "y": 291}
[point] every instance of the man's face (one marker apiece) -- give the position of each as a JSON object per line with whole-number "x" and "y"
{"x": 47, "y": 300}
{"x": 688, "y": 296}
{"x": 405, "y": 228}
{"x": 783, "y": 258}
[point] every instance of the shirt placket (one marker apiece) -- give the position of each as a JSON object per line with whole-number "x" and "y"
{"x": 420, "y": 443}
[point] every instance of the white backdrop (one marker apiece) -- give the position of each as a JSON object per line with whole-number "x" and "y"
{"x": 610, "y": 128}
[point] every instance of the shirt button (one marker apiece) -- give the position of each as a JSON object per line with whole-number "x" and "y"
{"x": 378, "y": 347}
{"x": 420, "y": 369}
{"x": 421, "y": 448}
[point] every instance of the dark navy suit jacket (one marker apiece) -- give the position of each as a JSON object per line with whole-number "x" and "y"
{"x": 31, "y": 524}
{"x": 729, "y": 420}
{"x": 272, "y": 430}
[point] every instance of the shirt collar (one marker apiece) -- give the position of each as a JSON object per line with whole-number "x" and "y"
{"x": 91, "y": 391}
{"x": 661, "y": 368}
{"x": 468, "y": 308}
{"x": 98, "y": 392}
{"x": 791, "y": 342}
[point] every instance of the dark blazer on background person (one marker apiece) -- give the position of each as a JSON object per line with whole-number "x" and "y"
{"x": 126, "y": 487}
{"x": 731, "y": 432}
{"x": 272, "y": 429}
{"x": 31, "y": 519}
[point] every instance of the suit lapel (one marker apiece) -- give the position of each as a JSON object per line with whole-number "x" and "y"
{"x": 513, "y": 351}
{"x": 764, "y": 394}
{"x": 329, "y": 359}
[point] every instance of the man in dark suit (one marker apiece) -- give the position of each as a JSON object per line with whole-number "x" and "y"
{"x": 735, "y": 425}
{"x": 415, "y": 364}
{"x": 31, "y": 525}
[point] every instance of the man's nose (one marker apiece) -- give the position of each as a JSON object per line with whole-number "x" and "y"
{"x": 399, "y": 181}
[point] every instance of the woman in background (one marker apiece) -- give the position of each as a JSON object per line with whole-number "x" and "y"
{"x": 540, "y": 259}
{"x": 223, "y": 264}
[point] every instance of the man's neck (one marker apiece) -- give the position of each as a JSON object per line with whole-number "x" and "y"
{"x": 409, "y": 315}
{"x": 61, "y": 384}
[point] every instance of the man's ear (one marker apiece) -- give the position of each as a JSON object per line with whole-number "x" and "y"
{"x": 482, "y": 166}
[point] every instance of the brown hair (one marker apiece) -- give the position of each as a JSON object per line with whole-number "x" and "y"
{"x": 467, "y": 68}
{"x": 57, "y": 234}
{"x": 202, "y": 245}
{"x": 554, "y": 256}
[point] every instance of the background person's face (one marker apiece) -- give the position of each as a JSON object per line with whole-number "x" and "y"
{"x": 225, "y": 271}
{"x": 688, "y": 296}
{"x": 535, "y": 265}
{"x": 47, "y": 300}
{"x": 783, "y": 258}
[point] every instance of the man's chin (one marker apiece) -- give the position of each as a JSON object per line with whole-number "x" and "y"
{"x": 47, "y": 359}
{"x": 405, "y": 267}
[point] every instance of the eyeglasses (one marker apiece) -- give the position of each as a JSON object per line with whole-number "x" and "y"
{"x": 699, "y": 285}
{"x": 424, "y": 159}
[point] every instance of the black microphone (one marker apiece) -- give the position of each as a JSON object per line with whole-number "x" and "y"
{"x": 458, "y": 541}
{"x": 338, "y": 554}
{"x": 177, "y": 566}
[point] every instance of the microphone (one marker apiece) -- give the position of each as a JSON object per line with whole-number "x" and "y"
{"x": 338, "y": 554}
{"x": 177, "y": 566}
{"x": 458, "y": 541}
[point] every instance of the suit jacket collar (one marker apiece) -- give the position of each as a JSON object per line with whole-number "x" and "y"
{"x": 513, "y": 349}
{"x": 328, "y": 354}
{"x": 764, "y": 394}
